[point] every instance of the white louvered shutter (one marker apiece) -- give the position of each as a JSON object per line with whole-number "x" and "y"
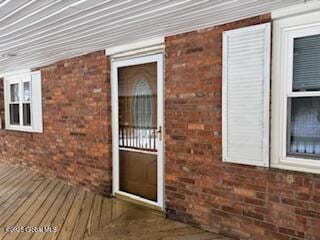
{"x": 36, "y": 99}
{"x": 245, "y": 100}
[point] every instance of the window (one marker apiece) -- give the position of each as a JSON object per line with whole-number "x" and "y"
{"x": 19, "y": 106}
{"x": 23, "y": 108}
{"x": 303, "y": 105}
{"x": 296, "y": 94}
{"x": 14, "y": 104}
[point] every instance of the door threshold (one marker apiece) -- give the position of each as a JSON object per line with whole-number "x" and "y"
{"x": 138, "y": 203}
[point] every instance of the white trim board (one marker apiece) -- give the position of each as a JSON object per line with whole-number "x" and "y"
{"x": 16, "y": 74}
{"x": 144, "y": 45}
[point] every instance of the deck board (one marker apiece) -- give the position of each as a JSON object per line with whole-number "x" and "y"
{"x": 106, "y": 212}
{"x": 7, "y": 176}
{"x": 7, "y": 191}
{"x": 62, "y": 215}
{"x": 16, "y": 201}
{"x": 42, "y": 211}
{"x": 69, "y": 224}
{"x": 5, "y": 173}
{"x": 25, "y": 201}
{"x": 6, "y": 168}
{"x": 82, "y": 223}
{"x": 52, "y": 212}
{"x": 31, "y": 200}
{"x": 94, "y": 223}
{"x": 23, "y": 212}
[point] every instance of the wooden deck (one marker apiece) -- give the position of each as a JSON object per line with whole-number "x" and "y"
{"x": 28, "y": 199}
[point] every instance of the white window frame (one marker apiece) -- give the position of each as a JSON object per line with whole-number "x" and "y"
{"x": 285, "y": 30}
{"x": 18, "y": 78}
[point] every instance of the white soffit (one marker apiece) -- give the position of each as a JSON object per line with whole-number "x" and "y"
{"x": 34, "y": 33}
{"x": 306, "y": 7}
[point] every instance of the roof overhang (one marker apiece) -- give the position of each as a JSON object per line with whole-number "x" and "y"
{"x": 35, "y": 33}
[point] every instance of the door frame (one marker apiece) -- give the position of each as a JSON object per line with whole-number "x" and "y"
{"x": 115, "y": 64}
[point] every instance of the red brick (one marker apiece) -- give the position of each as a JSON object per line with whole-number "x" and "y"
{"x": 253, "y": 215}
{"x": 263, "y": 199}
{"x": 196, "y": 126}
{"x": 307, "y": 213}
{"x": 291, "y": 232}
{"x": 244, "y": 192}
{"x": 76, "y": 143}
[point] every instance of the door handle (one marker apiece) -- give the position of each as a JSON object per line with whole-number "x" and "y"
{"x": 159, "y": 132}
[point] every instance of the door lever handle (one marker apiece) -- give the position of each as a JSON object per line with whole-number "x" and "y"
{"x": 159, "y": 132}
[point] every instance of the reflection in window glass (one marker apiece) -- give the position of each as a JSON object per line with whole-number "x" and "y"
{"x": 14, "y": 114}
{"x": 142, "y": 104}
{"x": 14, "y": 92}
{"x": 306, "y": 64}
{"x": 26, "y": 91}
{"x": 304, "y": 126}
{"x": 26, "y": 114}
{"x": 138, "y": 107}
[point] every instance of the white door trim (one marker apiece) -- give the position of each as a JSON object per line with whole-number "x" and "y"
{"x": 136, "y": 48}
{"x": 158, "y": 58}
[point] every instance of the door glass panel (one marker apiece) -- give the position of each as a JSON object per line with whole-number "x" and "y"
{"x": 306, "y": 63}
{"x": 137, "y": 86}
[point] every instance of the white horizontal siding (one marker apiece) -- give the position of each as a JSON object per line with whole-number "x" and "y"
{"x": 44, "y": 31}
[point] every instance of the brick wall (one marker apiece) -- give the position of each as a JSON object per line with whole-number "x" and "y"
{"x": 236, "y": 200}
{"x": 76, "y": 143}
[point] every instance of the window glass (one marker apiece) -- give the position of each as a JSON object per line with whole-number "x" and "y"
{"x": 26, "y": 114}
{"x": 306, "y": 63}
{"x": 26, "y": 92}
{"x": 14, "y": 92}
{"x": 138, "y": 107}
{"x": 142, "y": 109}
{"x": 304, "y": 126}
{"x": 14, "y": 114}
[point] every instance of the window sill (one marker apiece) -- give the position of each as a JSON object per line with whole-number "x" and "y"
{"x": 22, "y": 129}
{"x": 298, "y": 165}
